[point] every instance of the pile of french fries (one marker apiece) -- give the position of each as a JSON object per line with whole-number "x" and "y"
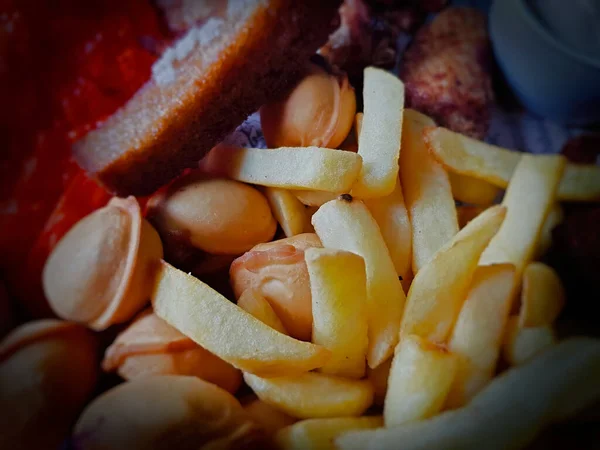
{"x": 415, "y": 300}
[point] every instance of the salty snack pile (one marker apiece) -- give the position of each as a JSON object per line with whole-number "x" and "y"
{"x": 387, "y": 317}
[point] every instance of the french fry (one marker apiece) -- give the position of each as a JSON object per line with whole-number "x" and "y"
{"x": 315, "y": 168}
{"x": 226, "y": 330}
{"x": 542, "y": 296}
{"x": 528, "y": 199}
{"x": 419, "y": 381}
{"x": 346, "y": 224}
{"x": 392, "y": 217}
{"x": 319, "y": 434}
{"x": 472, "y": 190}
{"x": 522, "y": 344}
{"x": 379, "y": 379}
{"x": 380, "y": 134}
{"x": 288, "y": 210}
{"x": 268, "y": 417}
{"x": 477, "y": 335}
{"x": 554, "y": 218}
{"x": 427, "y": 192}
{"x": 339, "y": 305}
{"x": 440, "y": 288}
{"x": 254, "y": 303}
{"x": 314, "y": 198}
{"x": 496, "y": 165}
{"x": 358, "y": 119}
{"x": 311, "y": 395}
{"x": 468, "y": 213}
{"x": 509, "y": 412}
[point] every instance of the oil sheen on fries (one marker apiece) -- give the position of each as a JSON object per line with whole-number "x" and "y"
{"x": 427, "y": 192}
{"x": 339, "y": 306}
{"x": 226, "y": 330}
{"x": 346, "y": 224}
{"x": 380, "y": 134}
{"x": 286, "y": 167}
{"x": 440, "y": 288}
{"x": 509, "y": 412}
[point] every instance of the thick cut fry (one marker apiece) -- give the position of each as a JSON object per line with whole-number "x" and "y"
{"x": 288, "y": 210}
{"x": 380, "y": 134}
{"x": 338, "y": 288}
{"x": 554, "y": 218}
{"x": 427, "y": 193}
{"x": 522, "y": 344}
{"x": 419, "y": 381}
{"x": 542, "y": 296}
{"x": 346, "y": 224}
{"x": 226, "y": 330}
{"x": 379, "y": 378}
{"x": 319, "y": 434}
{"x": 253, "y": 302}
{"x": 472, "y": 190}
{"x": 290, "y": 168}
{"x": 392, "y": 217}
{"x": 311, "y": 395}
{"x": 468, "y": 213}
{"x": 440, "y": 288}
{"x": 358, "y": 119}
{"x": 496, "y": 165}
{"x": 314, "y": 198}
{"x": 509, "y": 412}
{"x": 529, "y": 196}
{"x": 477, "y": 335}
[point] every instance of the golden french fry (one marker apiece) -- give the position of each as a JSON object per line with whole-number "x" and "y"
{"x": 254, "y": 303}
{"x": 338, "y": 287}
{"x": 288, "y": 210}
{"x": 472, "y": 190}
{"x": 346, "y": 224}
{"x": 542, "y": 296}
{"x": 529, "y": 196}
{"x": 509, "y": 412}
{"x": 392, "y": 217}
{"x": 440, "y": 288}
{"x": 287, "y": 167}
{"x": 380, "y": 134}
{"x": 268, "y": 417}
{"x": 522, "y": 344}
{"x": 477, "y": 335}
{"x": 496, "y": 165}
{"x": 379, "y": 379}
{"x": 419, "y": 381}
{"x": 554, "y": 218}
{"x": 314, "y": 198}
{"x": 468, "y": 213}
{"x": 226, "y": 330}
{"x": 310, "y": 395}
{"x": 427, "y": 192}
{"x": 319, "y": 434}
{"x": 358, "y": 119}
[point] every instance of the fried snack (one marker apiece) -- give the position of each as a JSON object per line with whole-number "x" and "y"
{"x": 319, "y": 434}
{"x": 477, "y": 335}
{"x": 440, "y": 288}
{"x": 163, "y": 412}
{"x": 509, "y": 412}
{"x": 379, "y": 379}
{"x": 100, "y": 272}
{"x": 314, "y": 198}
{"x": 346, "y": 224}
{"x": 445, "y": 71}
{"x": 310, "y": 168}
{"x": 339, "y": 306}
{"x": 202, "y": 88}
{"x": 268, "y": 417}
{"x": 522, "y": 344}
{"x": 472, "y": 190}
{"x": 277, "y": 271}
{"x": 317, "y": 112}
{"x": 217, "y": 216}
{"x": 150, "y": 346}
{"x": 288, "y": 210}
{"x": 554, "y": 218}
{"x": 48, "y": 370}
{"x": 427, "y": 192}
{"x": 254, "y": 303}
{"x": 311, "y": 395}
{"x": 542, "y": 296}
{"x": 419, "y": 381}
{"x": 380, "y": 134}
{"x": 228, "y": 331}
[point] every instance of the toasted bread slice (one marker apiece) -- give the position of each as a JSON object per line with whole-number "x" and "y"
{"x": 202, "y": 88}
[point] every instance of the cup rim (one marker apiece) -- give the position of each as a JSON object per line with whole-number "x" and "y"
{"x": 535, "y": 23}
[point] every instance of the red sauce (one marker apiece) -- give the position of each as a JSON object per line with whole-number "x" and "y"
{"x": 65, "y": 65}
